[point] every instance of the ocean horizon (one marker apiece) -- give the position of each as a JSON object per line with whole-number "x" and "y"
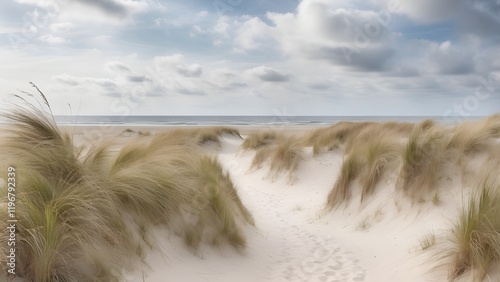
{"x": 244, "y": 120}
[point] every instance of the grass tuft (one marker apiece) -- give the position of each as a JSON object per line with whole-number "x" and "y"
{"x": 261, "y": 139}
{"x": 367, "y": 163}
{"x": 476, "y": 234}
{"x": 473, "y": 137}
{"x": 341, "y": 192}
{"x": 73, "y": 205}
{"x": 427, "y": 241}
{"x": 423, "y": 158}
{"x": 286, "y": 157}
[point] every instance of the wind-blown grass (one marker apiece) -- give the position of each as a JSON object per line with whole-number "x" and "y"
{"x": 380, "y": 155}
{"x": 283, "y": 156}
{"x": 476, "y": 234}
{"x": 367, "y": 163}
{"x": 341, "y": 192}
{"x": 332, "y": 137}
{"x": 64, "y": 217}
{"x": 376, "y": 131}
{"x": 473, "y": 137}
{"x": 423, "y": 159}
{"x": 196, "y": 136}
{"x": 165, "y": 182}
{"x": 286, "y": 157}
{"x": 261, "y": 156}
{"x": 260, "y": 139}
{"x": 72, "y": 204}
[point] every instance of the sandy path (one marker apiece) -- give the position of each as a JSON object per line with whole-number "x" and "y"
{"x": 303, "y": 255}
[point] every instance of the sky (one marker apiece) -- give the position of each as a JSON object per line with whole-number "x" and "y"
{"x": 242, "y": 57}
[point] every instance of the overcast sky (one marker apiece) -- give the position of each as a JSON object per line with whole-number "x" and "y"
{"x": 231, "y": 57}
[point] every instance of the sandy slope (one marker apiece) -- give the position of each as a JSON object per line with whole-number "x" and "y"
{"x": 296, "y": 240}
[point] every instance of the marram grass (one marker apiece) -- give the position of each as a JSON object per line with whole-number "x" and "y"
{"x": 194, "y": 136}
{"x": 476, "y": 235}
{"x": 261, "y": 139}
{"x": 63, "y": 214}
{"x": 284, "y": 155}
{"x": 366, "y": 164}
{"x": 349, "y": 172}
{"x": 423, "y": 162}
{"x": 72, "y": 204}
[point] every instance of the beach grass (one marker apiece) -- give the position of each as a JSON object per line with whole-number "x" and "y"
{"x": 423, "y": 161}
{"x": 366, "y": 163}
{"x": 257, "y": 140}
{"x": 197, "y": 136}
{"x": 473, "y": 136}
{"x": 427, "y": 241}
{"x": 475, "y": 235}
{"x": 283, "y": 154}
{"x": 380, "y": 156}
{"x": 350, "y": 170}
{"x": 332, "y": 137}
{"x": 64, "y": 217}
{"x": 286, "y": 157}
{"x": 73, "y": 204}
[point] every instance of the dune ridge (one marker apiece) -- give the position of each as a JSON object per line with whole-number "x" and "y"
{"x": 93, "y": 211}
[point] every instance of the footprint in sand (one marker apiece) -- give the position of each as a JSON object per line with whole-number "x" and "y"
{"x": 313, "y": 258}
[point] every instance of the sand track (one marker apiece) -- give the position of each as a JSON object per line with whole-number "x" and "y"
{"x": 309, "y": 257}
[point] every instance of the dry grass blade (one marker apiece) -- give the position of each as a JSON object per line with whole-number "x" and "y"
{"x": 380, "y": 156}
{"x": 341, "y": 192}
{"x": 261, "y": 139}
{"x": 476, "y": 235}
{"x": 64, "y": 216}
{"x": 72, "y": 205}
{"x": 474, "y": 137}
{"x": 423, "y": 159}
{"x": 334, "y": 136}
{"x": 286, "y": 157}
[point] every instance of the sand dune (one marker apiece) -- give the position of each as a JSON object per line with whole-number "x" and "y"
{"x": 393, "y": 233}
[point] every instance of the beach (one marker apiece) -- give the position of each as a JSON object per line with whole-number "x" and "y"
{"x": 299, "y": 234}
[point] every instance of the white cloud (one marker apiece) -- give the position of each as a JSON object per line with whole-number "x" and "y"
{"x": 176, "y": 63}
{"x": 312, "y": 57}
{"x": 117, "y": 67}
{"x": 253, "y": 34}
{"x": 61, "y": 27}
{"x": 196, "y": 30}
{"x": 269, "y": 74}
{"x": 52, "y": 39}
{"x": 222, "y": 26}
{"x": 320, "y": 30}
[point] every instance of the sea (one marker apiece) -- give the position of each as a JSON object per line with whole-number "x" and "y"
{"x": 242, "y": 120}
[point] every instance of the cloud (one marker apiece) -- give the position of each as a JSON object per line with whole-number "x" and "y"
{"x": 115, "y": 8}
{"x": 176, "y": 64}
{"x": 110, "y": 86}
{"x": 269, "y": 74}
{"x": 322, "y": 31}
{"x": 446, "y": 59}
{"x": 253, "y": 34}
{"x": 490, "y": 7}
{"x": 137, "y": 78}
{"x": 117, "y": 67}
{"x": 373, "y": 58}
{"x": 67, "y": 79}
{"x": 61, "y": 27}
{"x": 52, "y": 39}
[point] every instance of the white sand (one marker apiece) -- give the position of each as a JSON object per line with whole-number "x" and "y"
{"x": 296, "y": 240}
